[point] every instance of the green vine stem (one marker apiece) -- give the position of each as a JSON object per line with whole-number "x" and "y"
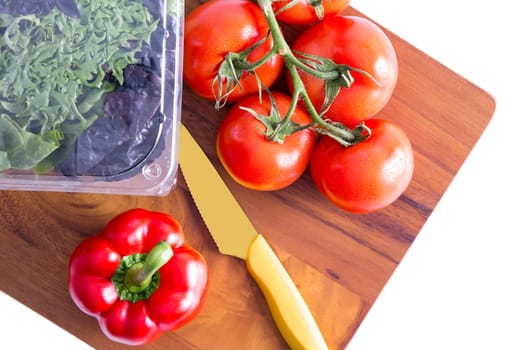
{"x": 338, "y": 131}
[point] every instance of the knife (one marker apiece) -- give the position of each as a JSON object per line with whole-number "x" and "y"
{"x": 235, "y": 235}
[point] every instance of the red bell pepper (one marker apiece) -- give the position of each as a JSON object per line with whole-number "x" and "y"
{"x": 138, "y": 277}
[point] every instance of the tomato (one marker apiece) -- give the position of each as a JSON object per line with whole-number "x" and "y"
{"x": 359, "y": 43}
{"x": 303, "y": 12}
{"x": 250, "y": 157}
{"x": 367, "y": 176}
{"x": 216, "y": 28}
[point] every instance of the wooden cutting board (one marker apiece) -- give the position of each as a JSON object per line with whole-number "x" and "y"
{"x": 339, "y": 261}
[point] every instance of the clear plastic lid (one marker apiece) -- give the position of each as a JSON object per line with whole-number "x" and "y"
{"x": 90, "y": 95}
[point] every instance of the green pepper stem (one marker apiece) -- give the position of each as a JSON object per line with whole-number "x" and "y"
{"x": 138, "y": 277}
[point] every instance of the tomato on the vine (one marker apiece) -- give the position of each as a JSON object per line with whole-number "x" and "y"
{"x": 250, "y": 157}
{"x": 304, "y": 11}
{"x": 216, "y": 28}
{"x": 359, "y": 43}
{"x": 367, "y": 176}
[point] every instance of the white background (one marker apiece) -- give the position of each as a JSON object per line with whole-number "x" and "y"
{"x": 460, "y": 285}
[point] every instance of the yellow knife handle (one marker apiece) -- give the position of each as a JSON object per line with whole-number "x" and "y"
{"x": 289, "y": 311}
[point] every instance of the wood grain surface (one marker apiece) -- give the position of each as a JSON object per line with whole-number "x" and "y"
{"x": 339, "y": 261}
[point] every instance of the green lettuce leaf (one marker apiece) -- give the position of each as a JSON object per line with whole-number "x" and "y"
{"x": 21, "y": 149}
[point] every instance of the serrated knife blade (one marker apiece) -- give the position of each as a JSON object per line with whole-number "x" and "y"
{"x": 234, "y": 235}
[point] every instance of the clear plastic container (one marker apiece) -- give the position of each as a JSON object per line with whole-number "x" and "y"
{"x": 90, "y": 95}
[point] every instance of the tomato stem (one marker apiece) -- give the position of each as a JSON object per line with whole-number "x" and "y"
{"x": 290, "y": 60}
{"x": 328, "y": 75}
{"x": 338, "y": 131}
{"x": 243, "y": 63}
